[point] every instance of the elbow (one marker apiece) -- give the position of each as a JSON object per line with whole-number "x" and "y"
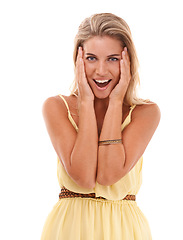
{"x": 86, "y": 184}
{"x": 110, "y": 178}
{"x": 83, "y": 180}
{"x": 104, "y": 181}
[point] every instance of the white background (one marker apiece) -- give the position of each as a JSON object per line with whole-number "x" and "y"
{"x": 36, "y": 45}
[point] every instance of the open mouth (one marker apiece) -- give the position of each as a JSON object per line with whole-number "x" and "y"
{"x": 102, "y": 83}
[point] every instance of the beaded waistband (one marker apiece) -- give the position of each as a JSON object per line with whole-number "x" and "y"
{"x": 65, "y": 193}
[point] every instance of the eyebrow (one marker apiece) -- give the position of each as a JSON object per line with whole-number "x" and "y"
{"x": 112, "y": 55}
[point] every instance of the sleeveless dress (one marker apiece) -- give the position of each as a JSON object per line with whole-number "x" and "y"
{"x": 98, "y": 219}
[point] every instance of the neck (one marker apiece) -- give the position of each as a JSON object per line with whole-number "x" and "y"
{"x": 101, "y": 104}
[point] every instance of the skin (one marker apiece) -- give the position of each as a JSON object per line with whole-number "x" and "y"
{"x": 101, "y": 65}
{"x": 101, "y": 114}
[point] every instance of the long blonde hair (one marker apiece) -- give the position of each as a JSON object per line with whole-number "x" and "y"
{"x": 108, "y": 24}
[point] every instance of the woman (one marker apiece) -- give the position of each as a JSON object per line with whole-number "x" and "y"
{"x": 100, "y": 133}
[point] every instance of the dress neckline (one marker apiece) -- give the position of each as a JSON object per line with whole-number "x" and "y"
{"x": 126, "y": 120}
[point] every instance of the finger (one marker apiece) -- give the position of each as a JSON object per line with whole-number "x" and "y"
{"x": 127, "y": 58}
{"x": 79, "y": 63}
{"x": 124, "y": 56}
{"x": 125, "y": 68}
{"x": 81, "y": 67}
{"x": 122, "y": 69}
{"x": 122, "y": 62}
{"x": 80, "y": 53}
{"x": 79, "y": 56}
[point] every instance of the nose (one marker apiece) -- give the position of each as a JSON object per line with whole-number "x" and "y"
{"x": 101, "y": 68}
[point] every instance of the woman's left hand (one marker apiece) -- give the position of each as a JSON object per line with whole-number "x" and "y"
{"x": 118, "y": 93}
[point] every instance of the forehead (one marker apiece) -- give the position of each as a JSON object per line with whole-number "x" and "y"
{"x": 102, "y": 45}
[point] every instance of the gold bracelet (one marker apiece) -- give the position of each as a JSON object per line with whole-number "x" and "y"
{"x": 108, "y": 142}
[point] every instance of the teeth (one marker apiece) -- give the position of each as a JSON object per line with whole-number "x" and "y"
{"x": 102, "y": 81}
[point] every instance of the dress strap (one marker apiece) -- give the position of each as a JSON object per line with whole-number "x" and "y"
{"x": 128, "y": 118}
{"x": 131, "y": 109}
{"x": 65, "y": 102}
{"x": 69, "y": 114}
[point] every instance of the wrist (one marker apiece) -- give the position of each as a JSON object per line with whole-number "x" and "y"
{"x": 115, "y": 101}
{"x": 85, "y": 105}
{"x": 86, "y": 102}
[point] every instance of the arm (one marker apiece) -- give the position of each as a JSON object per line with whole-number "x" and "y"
{"x": 115, "y": 161}
{"x": 111, "y": 158}
{"x": 84, "y": 154}
{"x": 77, "y": 152}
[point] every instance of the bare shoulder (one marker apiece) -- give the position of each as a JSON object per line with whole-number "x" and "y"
{"x": 54, "y": 104}
{"x": 147, "y": 112}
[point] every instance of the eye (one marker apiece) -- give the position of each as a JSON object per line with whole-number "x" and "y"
{"x": 91, "y": 59}
{"x": 113, "y": 59}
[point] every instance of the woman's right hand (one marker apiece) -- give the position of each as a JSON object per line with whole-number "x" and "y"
{"x": 84, "y": 91}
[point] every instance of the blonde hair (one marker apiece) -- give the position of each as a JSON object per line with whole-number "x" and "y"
{"x": 108, "y": 24}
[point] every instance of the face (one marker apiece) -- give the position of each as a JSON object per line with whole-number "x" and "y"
{"x": 102, "y": 57}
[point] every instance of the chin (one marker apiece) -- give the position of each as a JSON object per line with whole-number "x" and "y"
{"x": 102, "y": 95}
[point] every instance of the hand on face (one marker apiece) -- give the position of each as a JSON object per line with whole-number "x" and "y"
{"x": 84, "y": 91}
{"x": 118, "y": 93}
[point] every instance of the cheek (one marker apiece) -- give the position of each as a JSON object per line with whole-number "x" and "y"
{"x": 116, "y": 71}
{"x": 88, "y": 69}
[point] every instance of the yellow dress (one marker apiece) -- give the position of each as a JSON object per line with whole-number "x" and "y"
{"x": 98, "y": 219}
